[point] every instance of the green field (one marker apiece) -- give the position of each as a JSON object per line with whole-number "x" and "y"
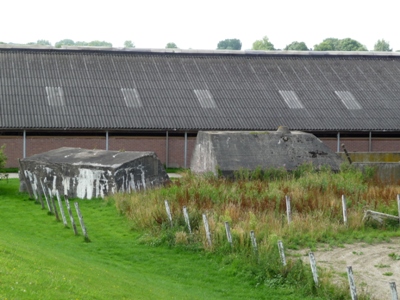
{"x": 40, "y": 259}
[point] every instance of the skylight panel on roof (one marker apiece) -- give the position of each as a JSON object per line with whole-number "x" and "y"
{"x": 131, "y": 97}
{"x": 205, "y": 98}
{"x": 348, "y": 99}
{"x": 291, "y": 99}
{"x": 55, "y": 96}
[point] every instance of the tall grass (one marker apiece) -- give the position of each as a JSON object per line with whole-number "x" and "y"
{"x": 256, "y": 201}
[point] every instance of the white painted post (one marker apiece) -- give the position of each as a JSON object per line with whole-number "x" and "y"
{"x": 398, "y": 205}
{"x": 253, "y": 241}
{"x": 55, "y": 208}
{"x": 313, "y": 267}
{"x": 288, "y": 209}
{"x": 353, "y": 290}
{"x": 84, "y": 231}
{"x": 40, "y": 198}
{"x": 71, "y": 217}
{"x": 393, "y": 290}
{"x": 45, "y": 196}
{"x": 207, "y": 228}
{"x": 168, "y": 212}
{"x": 228, "y": 233}
{"x": 186, "y": 215}
{"x": 344, "y": 206}
{"x": 61, "y": 209}
{"x": 282, "y": 253}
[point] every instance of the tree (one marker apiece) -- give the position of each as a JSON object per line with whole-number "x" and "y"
{"x": 298, "y": 46}
{"x": 229, "y": 44}
{"x": 65, "y": 42}
{"x": 382, "y": 45}
{"x": 99, "y": 44}
{"x": 171, "y": 45}
{"x": 43, "y": 43}
{"x": 263, "y": 44}
{"x": 129, "y": 44}
{"x": 3, "y": 157}
{"x": 333, "y": 44}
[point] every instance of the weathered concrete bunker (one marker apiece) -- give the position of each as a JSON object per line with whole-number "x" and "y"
{"x": 82, "y": 173}
{"x": 232, "y": 151}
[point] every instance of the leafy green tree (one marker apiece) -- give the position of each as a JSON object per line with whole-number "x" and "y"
{"x": 43, "y": 43}
{"x": 129, "y": 44}
{"x": 3, "y": 157}
{"x": 298, "y": 46}
{"x": 329, "y": 44}
{"x": 65, "y": 42}
{"x": 263, "y": 44}
{"x": 171, "y": 45}
{"x": 333, "y": 44}
{"x": 229, "y": 44}
{"x": 382, "y": 45}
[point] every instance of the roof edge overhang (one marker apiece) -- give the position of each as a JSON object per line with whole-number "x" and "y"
{"x": 199, "y": 51}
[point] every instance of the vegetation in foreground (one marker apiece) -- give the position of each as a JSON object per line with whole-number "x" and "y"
{"x": 40, "y": 259}
{"x": 255, "y": 201}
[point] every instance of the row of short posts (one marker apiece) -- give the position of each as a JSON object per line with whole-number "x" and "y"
{"x": 353, "y": 290}
{"x": 40, "y": 192}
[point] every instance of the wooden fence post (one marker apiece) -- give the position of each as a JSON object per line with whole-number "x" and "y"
{"x": 207, "y": 228}
{"x": 186, "y": 215}
{"x": 282, "y": 253}
{"x": 40, "y": 198}
{"x": 288, "y": 209}
{"x": 45, "y": 196}
{"x": 168, "y": 211}
{"x": 344, "y": 206}
{"x": 228, "y": 233}
{"x": 71, "y": 217}
{"x": 55, "y": 208}
{"x": 61, "y": 209}
{"x": 84, "y": 231}
{"x": 313, "y": 267}
{"x": 393, "y": 290}
{"x": 353, "y": 290}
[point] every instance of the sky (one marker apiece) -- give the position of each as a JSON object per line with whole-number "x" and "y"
{"x": 193, "y": 24}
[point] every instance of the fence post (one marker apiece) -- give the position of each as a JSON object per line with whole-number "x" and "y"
{"x": 45, "y": 196}
{"x": 313, "y": 267}
{"x": 288, "y": 209}
{"x": 40, "y": 198}
{"x": 344, "y": 206}
{"x": 168, "y": 211}
{"x": 254, "y": 242}
{"x": 398, "y": 205}
{"x": 207, "y": 228}
{"x": 282, "y": 252}
{"x": 228, "y": 233}
{"x": 84, "y": 231}
{"x": 55, "y": 207}
{"x": 353, "y": 290}
{"x": 61, "y": 209}
{"x": 186, "y": 215}
{"x": 71, "y": 217}
{"x": 394, "y": 290}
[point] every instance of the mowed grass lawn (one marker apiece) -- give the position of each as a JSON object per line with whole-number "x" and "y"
{"x": 40, "y": 259}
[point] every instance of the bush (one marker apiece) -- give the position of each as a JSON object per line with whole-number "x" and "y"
{"x": 3, "y": 157}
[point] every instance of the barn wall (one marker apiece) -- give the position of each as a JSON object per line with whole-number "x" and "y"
{"x": 39, "y": 144}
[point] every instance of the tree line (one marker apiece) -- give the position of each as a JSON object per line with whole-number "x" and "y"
{"x": 329, "y": 44}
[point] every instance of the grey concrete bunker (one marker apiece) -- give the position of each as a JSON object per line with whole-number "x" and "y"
{"x": 230, "y": 151}
{"x": 87, "y": 174}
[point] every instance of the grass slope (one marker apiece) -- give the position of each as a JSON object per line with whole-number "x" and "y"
{"x": 40, "y": 259}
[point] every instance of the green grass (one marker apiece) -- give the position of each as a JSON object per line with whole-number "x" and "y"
{"x": 40, "y": 259}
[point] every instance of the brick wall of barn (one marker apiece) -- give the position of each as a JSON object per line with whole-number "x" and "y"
{"x": 38, "y": 144}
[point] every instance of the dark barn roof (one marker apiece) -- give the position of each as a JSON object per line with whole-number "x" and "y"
{"x": 115, "y": 89}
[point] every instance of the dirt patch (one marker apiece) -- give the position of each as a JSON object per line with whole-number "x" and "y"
{"x": 374, "y": 266}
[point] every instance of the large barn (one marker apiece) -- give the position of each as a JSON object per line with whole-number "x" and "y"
{"x": 157, "y": 100}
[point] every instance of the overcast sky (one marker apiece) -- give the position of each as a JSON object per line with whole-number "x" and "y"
{"x": 200, "y": 24}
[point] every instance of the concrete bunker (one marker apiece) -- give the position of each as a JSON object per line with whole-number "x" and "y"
{"x": 230, "y": 151}
{"x": 86, "y": 174}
